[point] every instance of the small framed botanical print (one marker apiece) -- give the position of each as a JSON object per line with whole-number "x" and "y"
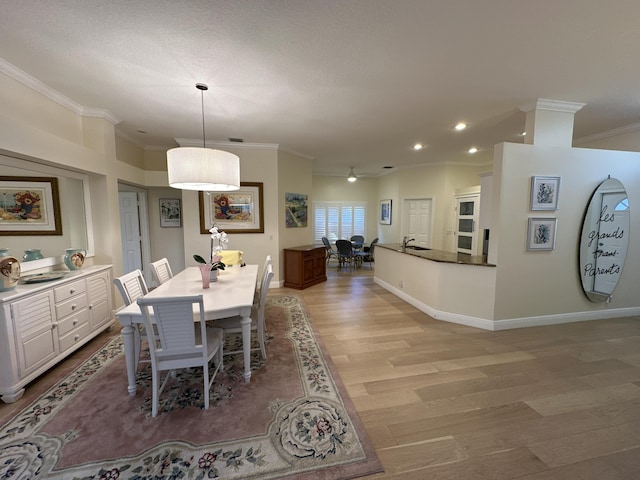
{"x": 541, "y": 233}
{"x": 544, "y": 193}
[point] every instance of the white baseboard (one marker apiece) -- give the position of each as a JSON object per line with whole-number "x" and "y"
{"x": 507, "y": 324}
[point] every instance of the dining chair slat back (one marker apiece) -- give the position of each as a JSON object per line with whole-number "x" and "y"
{"x": 161, "y": 270}
{"x": 131, "y": 286}
{"x": 256, "y": 297}
{"x": 179, "y": 344}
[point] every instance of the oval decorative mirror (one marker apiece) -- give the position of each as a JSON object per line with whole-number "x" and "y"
{"x": 604, "y": 240}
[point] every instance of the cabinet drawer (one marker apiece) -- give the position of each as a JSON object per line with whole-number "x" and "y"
{"x": 72, "y": 305}
{"x": 75, "y": 336}
{"x": 72, "y": 321}
{"x": 68, "y": 290}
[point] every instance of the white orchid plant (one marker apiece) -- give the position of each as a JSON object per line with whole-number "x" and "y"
{"x": 219, "y": 241}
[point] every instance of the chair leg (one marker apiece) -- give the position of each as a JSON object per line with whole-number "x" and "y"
{"x": 263, "y": 350}
{"x": 206, "y": 386}
{"x": 154, "y": 398}
{"x": 137, "y": 345}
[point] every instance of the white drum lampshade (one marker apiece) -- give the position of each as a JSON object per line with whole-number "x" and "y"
{"x": 204, "y": 169}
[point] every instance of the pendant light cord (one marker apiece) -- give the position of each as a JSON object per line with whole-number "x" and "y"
{"x": 202, "y": 87}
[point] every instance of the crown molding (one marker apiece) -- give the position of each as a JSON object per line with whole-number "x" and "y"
{"x": 631, "y": 128}
{"x": 553, "y": 105}
{"x": 36, "y": 85}
{"x": 293, "y": 152}
{"x": 99, "y": 113}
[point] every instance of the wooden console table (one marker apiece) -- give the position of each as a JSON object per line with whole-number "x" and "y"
{"x": 304, "y": 266}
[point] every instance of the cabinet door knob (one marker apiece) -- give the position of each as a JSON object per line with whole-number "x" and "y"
{"x": 54, "y": 326}
{"x": 73, "y": 307}
{"x": 72, "y": 290}
{"x": 75, "y": 322}
{"x": 76, "y": 338}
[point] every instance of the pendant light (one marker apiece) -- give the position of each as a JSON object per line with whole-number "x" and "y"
{"x": 352, "y": 176}
{"x": 204, "y": 169}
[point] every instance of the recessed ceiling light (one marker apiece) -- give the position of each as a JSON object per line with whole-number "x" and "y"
{"x": 418, "y": 146}
{"x": 460, "y": 126}
{"x": 472, "y": 150}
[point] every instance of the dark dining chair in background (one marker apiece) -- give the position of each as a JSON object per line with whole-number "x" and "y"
{"x": 330, "y": 250}
{"x": 357, "y": 241}
{"x": 346, "y": 255}
{"x": 368, "y": 253}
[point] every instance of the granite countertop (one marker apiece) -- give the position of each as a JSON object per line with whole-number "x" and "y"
{"x": 440, "y": 255}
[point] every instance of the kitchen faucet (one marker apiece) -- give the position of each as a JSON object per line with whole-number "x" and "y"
{"x": 406, "y": 240}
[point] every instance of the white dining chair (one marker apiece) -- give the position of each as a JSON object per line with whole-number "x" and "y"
{"x": 179, "y": 345}
{"x": 233, "y": 325}
{"x": 267, "y": 262}
{"x": 131, "y": 287}
{"x": 161, "y": 270}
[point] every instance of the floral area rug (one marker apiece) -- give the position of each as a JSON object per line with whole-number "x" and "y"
{"x": 294, "y": 419}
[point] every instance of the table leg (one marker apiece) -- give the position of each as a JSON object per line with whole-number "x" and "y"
{"x": 246, "y": 347}
{"x": 129, "y": 353}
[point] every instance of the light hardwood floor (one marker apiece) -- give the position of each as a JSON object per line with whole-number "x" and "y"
{"x": 445, "y": 401}
{"x": 442, "y": 401}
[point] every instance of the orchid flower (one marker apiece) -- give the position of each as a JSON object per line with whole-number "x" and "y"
{"x": 219, "y": 242}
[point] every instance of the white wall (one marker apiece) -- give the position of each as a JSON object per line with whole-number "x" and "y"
{"x": 539, "y": 283}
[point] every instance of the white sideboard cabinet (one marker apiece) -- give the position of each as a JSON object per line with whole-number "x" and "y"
{"x": 42, "y": 323}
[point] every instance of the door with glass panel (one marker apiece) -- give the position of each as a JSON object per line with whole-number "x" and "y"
{"x": 467, "y": 212}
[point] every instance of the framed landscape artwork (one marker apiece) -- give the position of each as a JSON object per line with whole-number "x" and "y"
{"x": 238, "y": 211}
{"x": 29, "y": 206}
{"x": 295, "y": 209}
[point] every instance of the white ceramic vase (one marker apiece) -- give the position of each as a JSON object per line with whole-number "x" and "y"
{"x": 9, "y": 273}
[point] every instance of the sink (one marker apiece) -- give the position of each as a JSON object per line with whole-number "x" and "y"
{"x": 416, "y": 247}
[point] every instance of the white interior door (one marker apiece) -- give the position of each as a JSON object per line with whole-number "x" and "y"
{"x": 467, "y": 213}
{"x": 130, "y": 231}
{"x": 417, "y": 220}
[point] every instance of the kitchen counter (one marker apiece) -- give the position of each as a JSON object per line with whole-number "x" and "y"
{"x": 439, "y": 255}
{"x": 446, "y": 286}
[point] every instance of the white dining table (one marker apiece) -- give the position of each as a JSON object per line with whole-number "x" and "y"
{"x": 232, "y": 294}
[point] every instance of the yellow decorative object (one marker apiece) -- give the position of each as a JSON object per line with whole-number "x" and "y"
{"x": 231, "y": 257}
